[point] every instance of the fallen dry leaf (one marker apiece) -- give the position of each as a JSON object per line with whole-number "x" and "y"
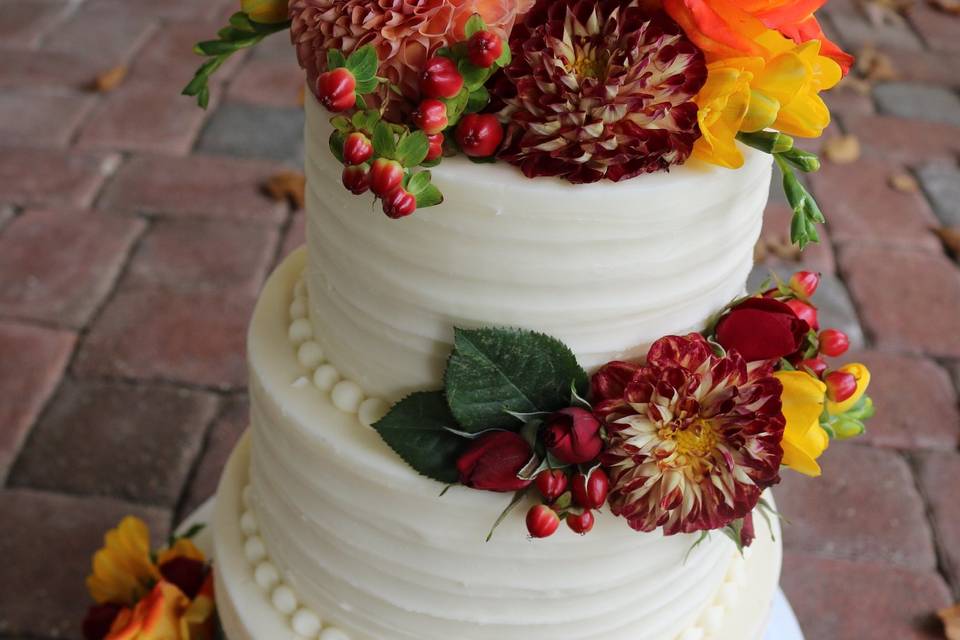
{"x": 287, "y": 186}
{"x": 842, "y": 149}
{"x": 951, "y": 621}
{"x": 904, "y": 183}
{"x": 947, "y": 6}
{"x": 881, "y": 12}
{"x": 875, "y": 66}
{"x": 110, "y": 79}
{"x": 950, "y": 237}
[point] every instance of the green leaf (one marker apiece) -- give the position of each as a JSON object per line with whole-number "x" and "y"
{"x": 474, "y": 77}
{"x": 477, "y": 100}
{"x": 383, "y": 141}
{"x": 365, "y": 120}
{"x": 418, "y": 182}
{"x": 335, "y": 59}
{"x": 802, "y": 160}
{"x": 363, "y": 64}
{"x": 416, "y": 429}
{"x": 367, "y": 86}
{"x": 218, "y": 47}
{"x": 337, "y": 139}
{"x": 413, "y": 148}
{"x": 429, "y": 197}
{"x": 766, "y": 141}
{"x": 492, "y": 371}
{"x": 456, "y": 106}
{"x": 506, "y": 57}
{"x": 242, "y": 21}
{"x": 474, "y": 24}
{"x": 341, "y": 124}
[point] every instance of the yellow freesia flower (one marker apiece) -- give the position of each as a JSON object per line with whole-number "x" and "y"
{"x": 804, "y": 440}
{"x": 722, "y": 106}
{"x": 122, "y": 570}
{"x": 265, "y": 11}
{"x": 862, "y": 374}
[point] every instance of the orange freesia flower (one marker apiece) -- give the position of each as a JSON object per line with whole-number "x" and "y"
{"x": 733, "y": 28}
{"x": 167, "y": 614}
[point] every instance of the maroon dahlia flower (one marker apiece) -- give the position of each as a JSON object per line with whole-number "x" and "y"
{"x": 694, "y": 439}
{"x": 600, "y": 90}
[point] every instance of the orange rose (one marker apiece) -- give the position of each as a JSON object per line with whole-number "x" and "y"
{"x": 733, "y": 28}
{"x": 167, "y": 614}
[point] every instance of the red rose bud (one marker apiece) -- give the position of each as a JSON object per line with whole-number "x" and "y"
{"x": 816, "y": 366}
{"x": 399, "y": 203}
{"x": 440, "y": 78}
{"x": 336, "y": 89}
{"x": 804, "y": 283}
{"x": 840, "y": 385}
{"x": 542, "y": 521}
{"x": 356, "y": 178}
{"x": 806, "y": 312}
{"x": 483, "y": 48}
{"x": 493, "y": 461}
{"x": 591, "y": 493}
{"x": 834, "y": 342}
{"x": 581, "y": 523}
{"x": 551, "y": 483}
{"x": 479, "y": 134}
{"x": 385, "y": 176}
{"x": 436, "y": 147}
{"x": 572, "y": 435}
{"x": 357, "y": 148}
{"x": 762, "y": 329}
{"x": 610, "y": 382}
{"x": 431, "y": 116}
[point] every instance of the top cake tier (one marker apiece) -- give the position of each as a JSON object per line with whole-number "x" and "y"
{"x": 606, "y": 268}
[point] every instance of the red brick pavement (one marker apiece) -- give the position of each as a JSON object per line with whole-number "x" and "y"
{"x": 129, "y": 263}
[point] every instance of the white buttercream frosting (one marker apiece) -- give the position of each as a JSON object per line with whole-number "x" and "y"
{"x": 605, "y": 267}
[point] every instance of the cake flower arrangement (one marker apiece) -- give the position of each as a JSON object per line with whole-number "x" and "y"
{"x": 576, "y": 89}
{"x": 144, "y": 594}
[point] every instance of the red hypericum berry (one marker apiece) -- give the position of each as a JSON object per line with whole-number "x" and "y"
{"x": 840, "y": 385}
{"x": 805, "y": 311}
{"x": 804, "y": 283}
{"x": 542, "y": 521}
{"x": 399, "y": 203}
{"x": 357, "y": 148}
{"x": 436, "y": 147}
{"x": 385, "y": 176}
{"x": 581, "y": 523}
{"x": 336, "y": 89}
{"x": 591, "y": 493}
{"x": 440, "y": 78}
{"x": 551, "y": 483}
{"x": 834, "y": 342}
{"x": 483, "y": 48}
{"x": 816, "y": 366}
{"x": 356, "y": 178}
{"x": 479, "y": 134}
{"x": 431, "y": 116}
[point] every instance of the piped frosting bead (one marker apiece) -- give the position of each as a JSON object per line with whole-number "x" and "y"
{"x": 332, "y": 633}
{"x": 266, "y": 575}
{"x": 310, "y": 355}
{"x": 298, "y": 308}
{"x": 248, "y": 523}
{"x": 306, "y": 623}
{"x": 713, "y": 619}
{"x": 254, "y": 549}
{"x": 300, "y": 289}
{"x": 284, "y": 599}
{"x": 300, "y": 331}
{"x": 347, "y": 396}
{"x": 371, "y": 410}
{"x": 729, "y": 595}
{"x": 246, "y": 495}
{"x": 693, "y": 633}
{"x": 325, "y": 377}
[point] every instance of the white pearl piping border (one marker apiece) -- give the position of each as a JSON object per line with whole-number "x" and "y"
{"x": 345, "y": 395}
{"x": 304, "y": 622}
{"x": 348, "y": 397}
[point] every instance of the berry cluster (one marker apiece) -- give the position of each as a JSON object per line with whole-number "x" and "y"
{"x": 567, "y": 497}
{"x": 378, "y": 155}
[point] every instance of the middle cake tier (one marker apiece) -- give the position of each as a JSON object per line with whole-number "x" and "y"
{"x": 606, "y": 268}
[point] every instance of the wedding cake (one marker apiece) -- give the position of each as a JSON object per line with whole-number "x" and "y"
{"x": 532, "y": 401}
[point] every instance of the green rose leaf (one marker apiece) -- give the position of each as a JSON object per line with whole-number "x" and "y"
{"x": 363, "y": 63}
{"x": 413, "y": 148}
{"x": 416, "y": 429}
{"x": 493, "y": 371}
{"x": 474, "y": 24}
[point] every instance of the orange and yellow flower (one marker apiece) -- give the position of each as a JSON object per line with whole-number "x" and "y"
{"x": 167, "y": 614}
{"x": 804, "y": 440}
{"x": 123, "y": 570}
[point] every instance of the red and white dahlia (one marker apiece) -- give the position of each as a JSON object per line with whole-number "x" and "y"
{"x": 694, "y": 438}
{"x": 600, "y": 89}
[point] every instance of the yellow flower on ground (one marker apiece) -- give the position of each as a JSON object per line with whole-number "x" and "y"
{"x": 123, "y": 571}
{"x": 265, "y": 11}
{"x": 862, "y": 374}
{"x": 804, "y": 440}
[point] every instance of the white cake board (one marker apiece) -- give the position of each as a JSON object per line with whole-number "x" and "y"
{"x": 783, "y": 622}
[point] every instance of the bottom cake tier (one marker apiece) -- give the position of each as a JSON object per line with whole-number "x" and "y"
{"x": 321, "y": 531}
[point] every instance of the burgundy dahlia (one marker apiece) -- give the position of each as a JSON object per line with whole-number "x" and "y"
{"x": 694, "y": 439}
{"x": 600, "y": 90}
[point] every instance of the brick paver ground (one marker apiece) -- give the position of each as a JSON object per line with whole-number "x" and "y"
{"x": 134, "y": 239}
